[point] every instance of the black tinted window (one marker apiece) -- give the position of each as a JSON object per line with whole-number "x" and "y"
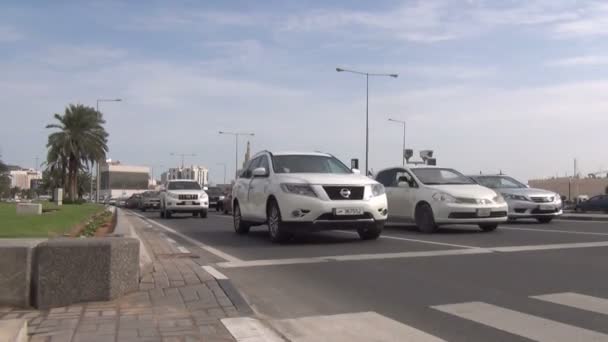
{"x": 183, "y": 186}
{"x": 387, "y": 177}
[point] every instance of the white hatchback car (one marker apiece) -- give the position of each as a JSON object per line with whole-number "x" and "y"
{"x": 305, "y": 192}
{"x": 433, "y": 196}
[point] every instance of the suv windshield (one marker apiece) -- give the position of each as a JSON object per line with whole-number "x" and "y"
{"x": 308, "y": 164}
{"x": 436, "y": 176}
{"x": 184, "y": 186}
{"x": 214, "y": 192}
{"x": 499, "y": 182}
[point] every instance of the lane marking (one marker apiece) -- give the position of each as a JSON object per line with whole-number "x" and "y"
{"x": 250, "y": 330}
{"x": 183, "y": 249}
{"x": 581, "y": 221}
{"x": 413, "y": 240}
{"x": 313, "y": 260}
{"x": 352, "y": 327}
{"x": 215, "y": 273}
{"x": 549, "y": 246}
{"x": 212, "y": 250}
{"x": 521, "y": 324}
{"x": 577, "y": 300}
{"x": 552, "y": 231}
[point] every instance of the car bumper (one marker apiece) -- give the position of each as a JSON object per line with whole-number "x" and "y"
{"x": 151, "y": 205}
{"x": 186, "y": 206}
{"x": 456, "y": 213}
{"x": 313, "y": 214}
{"x": 526, "y": 209}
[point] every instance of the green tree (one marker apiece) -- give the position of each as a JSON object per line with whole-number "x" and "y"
{"x": 80, "y": 141}
{"x": 5, "y": 181}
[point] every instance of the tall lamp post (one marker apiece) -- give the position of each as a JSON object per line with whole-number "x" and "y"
{"x": 98, "y": 180}
{"x": 236, "y": 151}
{"x": 183, "y": 155}
{"x": 367, "y": 75}
{"x": 403, "y": 149}
{"x": 224, "y": 165}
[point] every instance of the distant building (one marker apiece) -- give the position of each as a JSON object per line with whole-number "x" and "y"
{"x": 22, "y": 179}
{"x": 198, "y": 173}
{"x": 119, "y": 180}
{"x": 572, "y": 187}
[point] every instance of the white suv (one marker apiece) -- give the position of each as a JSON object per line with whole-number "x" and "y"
{"x": 183, "y": 196}
{"x": 433, "y": 196}
{"x": 305, "y": 192}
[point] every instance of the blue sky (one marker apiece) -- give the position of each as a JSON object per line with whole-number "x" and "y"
{"x": 518, "y": 86}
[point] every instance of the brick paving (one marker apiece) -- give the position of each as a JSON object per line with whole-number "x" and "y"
{"x": 177, "y": 301}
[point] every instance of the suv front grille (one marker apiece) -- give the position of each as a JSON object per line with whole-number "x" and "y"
{"x": 188, "y": 197}
{"x": 340, "y": 192}
{"x": 542, "y": 199}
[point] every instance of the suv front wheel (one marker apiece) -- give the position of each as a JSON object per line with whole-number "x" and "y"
{"x": 275, "y": 224}
{"x": 240, "y": 227}
{"x": 371, "y": 233}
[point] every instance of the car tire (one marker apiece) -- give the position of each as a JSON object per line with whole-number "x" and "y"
{"x": 162, "y": 212}
{"x": 488, "y": 227}
{"x": 143, "y": 210}
{"x": 195, "y": 214}
{"x": 544, "y": 219}
{"x": 218, "y": 207}
{"x": 168, "y": 214}
{"x": 425, "y": 219}
{"x": 240, "y": 227}
{"x": 203, "y": 214}
{"x": 276, "y": 228}
{"x": 371, "y": 233}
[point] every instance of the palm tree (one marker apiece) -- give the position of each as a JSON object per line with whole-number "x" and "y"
{"x": 80, "y": 141}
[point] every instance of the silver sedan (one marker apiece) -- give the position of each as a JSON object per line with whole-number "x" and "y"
{"x": 523, "y": 201}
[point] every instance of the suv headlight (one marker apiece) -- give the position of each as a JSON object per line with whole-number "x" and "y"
{"x": 172, "y": 195}
{"x": 203, "y": 196}
{"x": 498, "y": 199}
{"x": 515, "y": 197}
{"x": 378, "y": 190}
{"x": 298, "y": 189}
{"x": 443, "y": 197}
{"x": 558, "y": 198}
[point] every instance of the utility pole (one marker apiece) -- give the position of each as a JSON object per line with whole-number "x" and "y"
{"x": 236, "y": 151}
{"x": 183, "y": 155}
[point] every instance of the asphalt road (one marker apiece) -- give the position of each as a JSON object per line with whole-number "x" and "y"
{"x": 525, "y": 281}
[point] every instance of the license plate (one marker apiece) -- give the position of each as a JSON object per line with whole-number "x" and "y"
{"x": 484, "y": 212}
{"x": 547, "y": 207}
{"x": 348, "y": 211}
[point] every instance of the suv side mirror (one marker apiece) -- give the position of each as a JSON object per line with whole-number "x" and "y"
{"x": 205, "y": 188}
{"x": 260, "y": 172}
{"x": 356, "y": 171}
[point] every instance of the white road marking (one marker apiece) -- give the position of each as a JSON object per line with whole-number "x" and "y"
{"x": 521, "y": 324}
{"x": 170, "y": 240}
{"x": 549, "y": 246}
{"x": 350, "y": 327}
{"x": 383, "y": 236}
{"x": 215, "y": 273}
{"x": 246, "y": 329}
{"x": 313, "y": 260}
{"x": 209, "y": 249}
{"x": 183, "y": 249}
{"x": 576, "y": 300}
{"x": 552, "y": 231}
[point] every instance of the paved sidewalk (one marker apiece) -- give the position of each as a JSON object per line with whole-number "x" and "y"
{"x": 178, "y": 301}
{"x": 584, "y": 217}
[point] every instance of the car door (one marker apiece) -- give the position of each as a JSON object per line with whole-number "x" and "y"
{"x": 258, "y": 188}
{"x": 399, "y": 196}
{"x": 241, "y": 189}
{"x": 405, "y": 190}
{"x": 593, "y": 204}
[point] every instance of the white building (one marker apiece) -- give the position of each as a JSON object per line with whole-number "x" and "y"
{"x": 198, "y": 173}
{"x": 118, "y": 180}
{"x": 23, "y": 178}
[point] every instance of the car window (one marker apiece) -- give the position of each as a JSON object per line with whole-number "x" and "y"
{"x": 308, "y": 164}
{"x": 438, "y": 176}
{"x": 264, "y": 163}
{"x": 499, "y": 182}
{"x": 184, "y": 185}
{"x": 386, "y": 177}
{"x": 248, "y": 171}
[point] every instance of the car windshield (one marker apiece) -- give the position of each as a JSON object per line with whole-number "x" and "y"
{"x": 214, "y": 192}
{"x": 437, "y": 176}
{"x": 184, "y": 186}
{"x": 308, "y": 164}
{"x": 499, "y": 182}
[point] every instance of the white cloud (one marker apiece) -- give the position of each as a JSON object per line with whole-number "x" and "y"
{"x": 591, "y": 20}
{"x": 78, "y": 56}
{"x": 9, "y": 34}
{"x": 588, "y": 60}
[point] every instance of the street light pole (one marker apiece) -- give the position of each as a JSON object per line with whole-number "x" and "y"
{"x": 236, "y": 151}
{"x": 98, "y": 180}
{"x": 403, "y": 149}
{"x": 224, "y": 165}
{"x": 183, "y": 155}
{"x": 367, "y": 75}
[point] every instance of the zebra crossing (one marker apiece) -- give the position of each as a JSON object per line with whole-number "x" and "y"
{"x": 371, "y": 326}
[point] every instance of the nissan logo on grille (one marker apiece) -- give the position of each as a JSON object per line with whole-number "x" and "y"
{"x": 345, "y": 192}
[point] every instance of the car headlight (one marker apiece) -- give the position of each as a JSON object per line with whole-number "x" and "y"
{"x": 203, "y": 196}
{"x": 378, "y": 189}
{"x": 498, "y": 199}
{"x": 443, "y": 197}
{"x": 558, "y": 198}
{"x": 298, "y": 189}
{"x": 172, "y": 195}
{"x": 515, "y": 197}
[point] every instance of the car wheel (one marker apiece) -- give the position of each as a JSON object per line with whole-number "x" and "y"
{"x": 143, "y": 210}
{"x": 488, "y": 227}
{"x": 162, "y": 212}
{"x": 240, "y": 227}
{"x": 218, "y": 207}
{"x": 167, "y": 214}
{"x": 425, "y": 220}
{"x": 371, "y": 233}
{"x": 544, "y": 219}
{"x": 275, "y": 223}
{"x": 203, "y": 213}
{"x": 195, "y": 214}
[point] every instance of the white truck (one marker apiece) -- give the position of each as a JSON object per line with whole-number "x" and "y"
{"x": 183, "y": 196}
